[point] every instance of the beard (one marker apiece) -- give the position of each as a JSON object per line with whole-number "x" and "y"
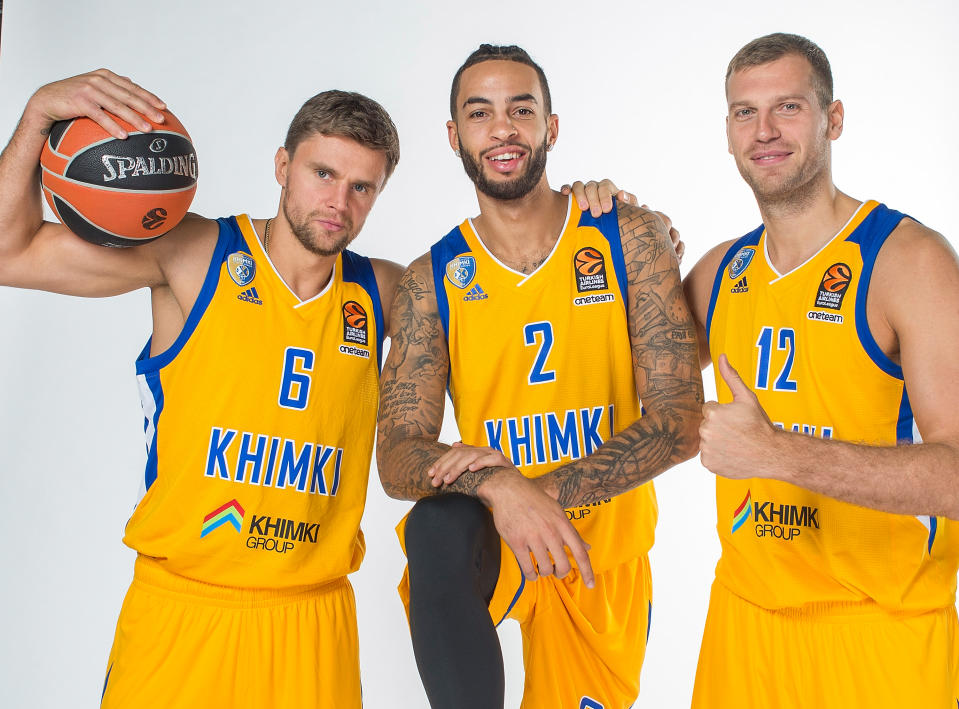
{"x": 794, "y": 190}
{"x": 305, "y": 231}
{"x": 511, "y": 189}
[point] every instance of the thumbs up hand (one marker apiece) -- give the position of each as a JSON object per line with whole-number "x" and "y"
{"x": 736, "y": 439}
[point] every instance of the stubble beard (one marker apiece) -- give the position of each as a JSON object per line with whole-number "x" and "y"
{"x": 791, "y": 193}
{"x": 516, "y": 188}
{"x": 304, "y": 231}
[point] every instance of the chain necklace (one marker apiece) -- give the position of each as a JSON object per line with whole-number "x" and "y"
{"x": 266, "y": 236}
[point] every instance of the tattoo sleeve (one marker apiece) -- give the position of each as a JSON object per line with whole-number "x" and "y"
{"x": 412, "y": 393}
{"x": 662, "y": 333}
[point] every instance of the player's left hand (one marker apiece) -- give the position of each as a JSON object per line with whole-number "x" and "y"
{"x": 597, "y": 197}
{"x": 735, "y": 438}
{"x": 460, "y": 458}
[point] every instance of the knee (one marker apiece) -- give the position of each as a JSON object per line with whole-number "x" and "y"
{"x": 445, "y": 524}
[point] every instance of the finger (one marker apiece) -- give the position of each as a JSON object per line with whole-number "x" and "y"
{"x": 733, "y": 380}
{"x": 666, "y": 220}
{"x": 626, "y": 197}
{"x": 606, "y": 190}
{"x": 680, "y": 247}
{"x": 565, "y": 189}
{"x": 593, "y": 199}
{"x": 544, "y": 565}
{"x": 561, "y": 565}
{"x": 129, "y": 85}
{"x": 579, "y": 194}
{"x": 580, "y": 553}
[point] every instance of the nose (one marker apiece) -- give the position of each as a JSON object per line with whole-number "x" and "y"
{"x": 766, "y": 128}
{"x": 338, "y": 196}
{"x": 502, "y": 127}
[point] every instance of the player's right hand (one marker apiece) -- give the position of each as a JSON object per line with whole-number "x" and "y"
{"x": 462, "y": 457}
{"x": 535, "y": 527}
{"x": 93, "y": 95}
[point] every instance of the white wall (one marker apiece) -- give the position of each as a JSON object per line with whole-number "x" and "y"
{"x": 639, "y": 91}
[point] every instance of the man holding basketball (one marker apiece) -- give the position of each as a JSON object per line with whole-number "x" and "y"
{"x": 545, "y": 323}
{"x": 254, "y": 485}
{"x": 836, "y": 585}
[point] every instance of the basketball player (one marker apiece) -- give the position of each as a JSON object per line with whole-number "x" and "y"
{"x": 255, "y": 483}
{"x": 546, "y": 323}
{"x": 836, "y": 585}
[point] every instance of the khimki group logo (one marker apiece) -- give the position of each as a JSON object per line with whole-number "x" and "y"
{"x": 742, "y": 513}
{"x": 230, "y": 513}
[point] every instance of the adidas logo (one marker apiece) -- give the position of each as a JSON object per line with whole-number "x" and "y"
{"x": 250, "y": 296}
{"x": 476, "y": 293}
{"x": 740, "y": 287}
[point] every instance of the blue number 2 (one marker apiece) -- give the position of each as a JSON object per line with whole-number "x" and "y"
{"x": 295, "y": 385}
{"x": 530, "y": 332}
{"x": 787, "y": 341}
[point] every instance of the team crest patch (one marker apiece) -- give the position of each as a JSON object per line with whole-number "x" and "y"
{"x": 461, "y": 271}
{"x": 589, "y": 265}
{"x": 741, "y": 261}
{"x": 832, "y": 289}
{"x": 242, "y": 267}
{"x": 354, "y": 323}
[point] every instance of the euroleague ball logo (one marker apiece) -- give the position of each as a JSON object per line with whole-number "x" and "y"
{"x": 832, "y": 289}
{"x": 154, "y": 218}
{"x": 589, "y": 266}
{"x": 354, "y": 323}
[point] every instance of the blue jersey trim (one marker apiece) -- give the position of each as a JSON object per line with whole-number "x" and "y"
{"x": 358, "y": 269}
{"x": 933, "y": 526}
{"x": 870, "y": 236}
{"x": 519, "y": 592}
{"x": 156, "y": 389}
{"x": 105, "y": 680}
{"x": 750, "y": 239}
{"x": 230, "y": 239}
{"x": 906, "y": 420}
{"x": 608, "y": 225}
{"x": 451, "y": 245}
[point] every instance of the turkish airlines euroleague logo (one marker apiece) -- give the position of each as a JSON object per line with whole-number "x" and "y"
{"x": 354, "y": 323}
{"x": 589, "y": 266}
{"x": 832, "y": 289}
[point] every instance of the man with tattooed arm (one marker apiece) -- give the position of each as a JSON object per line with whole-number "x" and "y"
{"x": 548, "y": 325}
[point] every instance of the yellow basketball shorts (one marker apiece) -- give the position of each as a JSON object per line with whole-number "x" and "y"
{"x": 582, "y": 648}
{"x": 181, "y": 643}
{"x": 828, "y": 656}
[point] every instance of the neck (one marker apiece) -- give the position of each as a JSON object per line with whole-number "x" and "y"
{"x": 798, "y": 226}
{"x": 522, "y": 232}
{"x": 305, "y": 272}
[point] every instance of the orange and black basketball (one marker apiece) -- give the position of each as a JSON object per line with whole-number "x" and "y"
{"x": 119, "y": 192}
{"x": 588, "y": 261}
{"x": 837, "y": 277}
{"x": 354, "y": 314}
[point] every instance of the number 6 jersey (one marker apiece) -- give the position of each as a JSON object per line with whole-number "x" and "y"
{"x": 541, "y": 365}
{"x": 259, "y": 422}
{"x": 801, "y": 342}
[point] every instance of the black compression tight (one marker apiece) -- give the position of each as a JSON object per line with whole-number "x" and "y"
{"x": 454, "y": 555}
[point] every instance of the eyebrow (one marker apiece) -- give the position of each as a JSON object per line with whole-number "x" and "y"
{"x": 777, "y": 99}
{"x": 486, "y": 102}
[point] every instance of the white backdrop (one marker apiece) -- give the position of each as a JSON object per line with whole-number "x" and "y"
{"x": 639, "y": 91}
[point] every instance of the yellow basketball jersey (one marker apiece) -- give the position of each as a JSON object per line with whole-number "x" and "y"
{"x": 259, "y": 422}
{"x": 541, "y": 366}
{"x": 801, "y": 342}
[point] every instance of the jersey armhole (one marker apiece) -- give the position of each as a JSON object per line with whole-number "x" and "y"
{"x": 750, "y": 239}
{"x": 358, "y": 269}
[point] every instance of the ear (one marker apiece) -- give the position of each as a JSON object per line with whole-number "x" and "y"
{"x": 835, "y": 115}
{"x": 281, "y": 164}
{"x": 552, "y": 129}
{"x": 453, "y": 135}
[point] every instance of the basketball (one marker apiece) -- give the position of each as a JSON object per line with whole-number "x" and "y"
{"x": 118, "y": 192}
{"x": 588, "y": 261}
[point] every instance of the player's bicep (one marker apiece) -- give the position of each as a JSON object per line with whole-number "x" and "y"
{"x": 924, "y": 313}
{"x": 662, "y": 330}
{"x": 58, "y": 261}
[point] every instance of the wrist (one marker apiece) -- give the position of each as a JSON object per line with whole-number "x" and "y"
{"x": 494, "y": 484}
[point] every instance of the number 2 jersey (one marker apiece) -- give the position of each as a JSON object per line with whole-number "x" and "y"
{"x": 801, "y": 341}
{"x": 259, "y": 422}
{"x": 541, "y": 365}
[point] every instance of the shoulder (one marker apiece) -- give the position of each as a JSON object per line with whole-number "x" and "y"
{"x": 698, "y": 283}
{"x": 388, "y": 273}
{"x": 916, "y": 264}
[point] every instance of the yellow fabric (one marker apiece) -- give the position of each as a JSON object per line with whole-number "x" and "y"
{"x": 541, "y": 365}
{"x": 181, "y": 643}
{"x": 828, "y": 656}
{"x": 263, "y": 412}
{"x": 800, "y": 342}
